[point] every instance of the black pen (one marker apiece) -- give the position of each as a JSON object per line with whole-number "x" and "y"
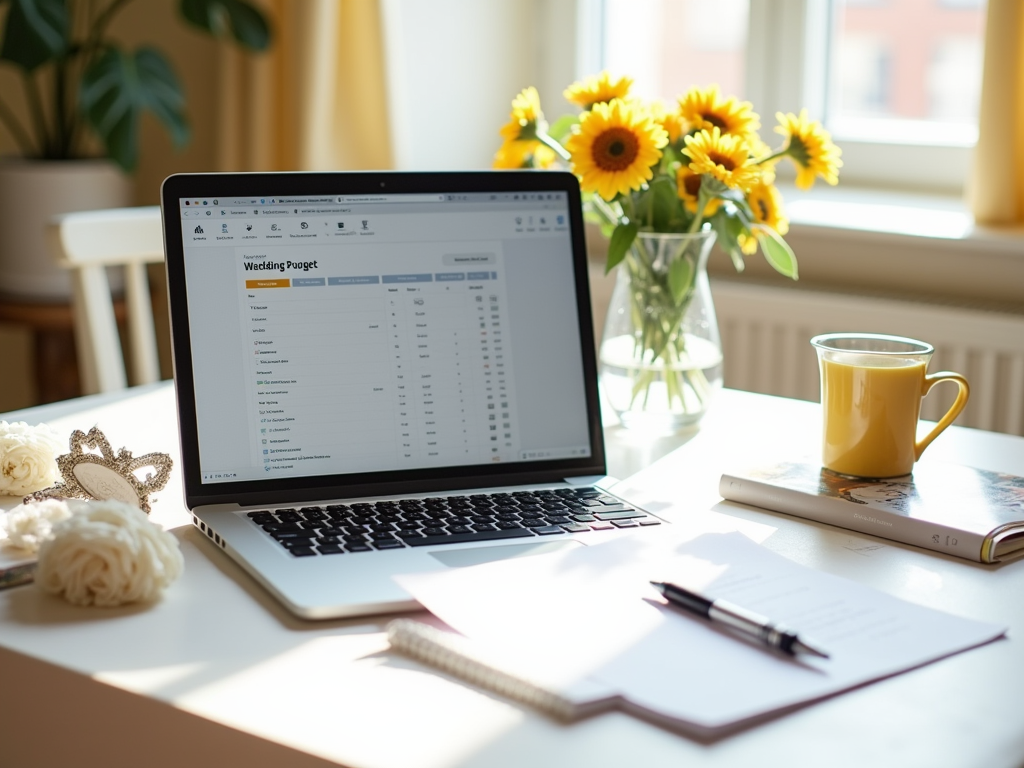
{"x": 747, "y": 622}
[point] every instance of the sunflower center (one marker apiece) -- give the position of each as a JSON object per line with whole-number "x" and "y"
{"x": 723, "y": 160}
{"x": 798, "y": 150}
{"x": 615, "y": 149}
{"x": 716, "y": 121}
{"x": 692, "y": 185}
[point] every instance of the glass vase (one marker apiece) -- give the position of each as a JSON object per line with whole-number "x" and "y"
{"x": 661, "y": 354}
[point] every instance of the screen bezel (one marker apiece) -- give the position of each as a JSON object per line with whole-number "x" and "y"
{"x": 392, "y": 482}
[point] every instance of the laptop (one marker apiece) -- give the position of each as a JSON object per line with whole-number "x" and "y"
{"x": 384, "y": 373}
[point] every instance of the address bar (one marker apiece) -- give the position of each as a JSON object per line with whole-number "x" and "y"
{"x": 389, "y": 199}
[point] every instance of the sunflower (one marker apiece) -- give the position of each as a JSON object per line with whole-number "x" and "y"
{"x": 725, "y": 157}
{"x": 523, "y": 154}
{"x": 526, "y": 118}
{"x": 614, "y": 147}
{"x": 766, "y": 203}
{"x": 688, "y": 184}
{"x": 705, "y": 108}
{"x": 672, "y": 122}
{"x": 811, "y": 148}
{"x": 597, "y": 89}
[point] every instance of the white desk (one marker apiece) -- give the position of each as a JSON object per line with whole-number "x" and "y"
{"x": 218, "y": 674}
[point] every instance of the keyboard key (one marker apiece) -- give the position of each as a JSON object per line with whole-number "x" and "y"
{"x": 459, "y": 538}
{"x": 547, "y": 530}
{"x": 484, "y": 527}
{"x": 584, "y": 518}
{"x": 328, "y": 540}
{"x": 329, "y": 549}
{"x": 508, "y": 525}
{"x": 534, "y": 524}
{"x": 623, "y": 515}
{"x": 649, "y": 521}
{"x": 557, "y": 519}
{"x": 293, "y": 535}
{"x": 434, "y": 531}
{"x": 281, "y": 527}
{"x": 601, "y": 526}
{"x": 625, "y": 523}
{"x": 257, "y": 513}
{"x": 358, "y": 548}
{"x": 392, "y": 544}
{"x": 576, "y": 527}
{"x": 409, "y": 534}
{"x": 458, "y": 529}
{"x": 302, "y": 551}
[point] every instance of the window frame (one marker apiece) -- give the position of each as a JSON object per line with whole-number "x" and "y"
{"x": 786, "y": 78}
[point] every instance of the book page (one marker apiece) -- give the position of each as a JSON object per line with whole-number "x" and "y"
{"x": 591, "y": 615}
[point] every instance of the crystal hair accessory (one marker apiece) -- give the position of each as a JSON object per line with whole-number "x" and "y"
{"x": 106, "y": 475}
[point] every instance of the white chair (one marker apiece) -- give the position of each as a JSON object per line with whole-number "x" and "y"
{"x": 86, "y": 243}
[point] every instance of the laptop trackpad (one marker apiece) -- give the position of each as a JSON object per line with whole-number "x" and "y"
{"x": 460, "y": 558}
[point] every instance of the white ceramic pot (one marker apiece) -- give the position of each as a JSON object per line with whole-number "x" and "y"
{"x": 31, "y": 193}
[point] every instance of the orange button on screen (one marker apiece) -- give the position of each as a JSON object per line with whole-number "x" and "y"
{"x": 282, "y": 283}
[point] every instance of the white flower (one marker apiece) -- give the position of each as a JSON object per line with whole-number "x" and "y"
{"x": 28, "y": 526}
{"x": 108, "y": 553}
{"x": 27, "y": 458}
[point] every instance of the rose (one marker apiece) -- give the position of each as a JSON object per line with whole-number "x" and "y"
{"x": 28, "y": 526}
{"x": 108, "y": 553}
{"x": 27, "y": 458}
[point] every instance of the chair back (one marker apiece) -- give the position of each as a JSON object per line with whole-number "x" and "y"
{"x": 86, "y": 243}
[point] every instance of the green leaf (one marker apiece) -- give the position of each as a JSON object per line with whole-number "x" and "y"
{"x": 562, "y": 127}
{"x": 119, "y": 87}
{"x": 777, "y": 251}
{"x": 729, "y": 228}
{"x": 240, "y": 19}
{"x": 666, "y": 207}
{"x": 621, "y": 239}
{"x": 680, "y": 275}
{"x": 36, "y": 32}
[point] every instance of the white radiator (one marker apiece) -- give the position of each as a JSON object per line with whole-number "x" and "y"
{"x": 766, "y": 333}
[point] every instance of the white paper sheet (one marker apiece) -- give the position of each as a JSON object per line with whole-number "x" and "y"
{"x": 591, "y": 614}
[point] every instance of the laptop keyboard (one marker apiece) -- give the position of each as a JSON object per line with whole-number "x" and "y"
{"x": 364, "y": 527}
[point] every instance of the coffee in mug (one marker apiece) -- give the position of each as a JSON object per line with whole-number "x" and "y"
{"x": 871, "y": 391}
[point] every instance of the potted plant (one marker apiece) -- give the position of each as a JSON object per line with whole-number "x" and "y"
{"x": 84, "y": 90}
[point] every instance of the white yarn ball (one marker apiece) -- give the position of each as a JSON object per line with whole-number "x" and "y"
{"x": 28, "y": 458}
{"x": 108, "y": 553}
{"x": 27, "y": 526}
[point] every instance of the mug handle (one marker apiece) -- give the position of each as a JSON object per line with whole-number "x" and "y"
{"x": 954, "y": 410}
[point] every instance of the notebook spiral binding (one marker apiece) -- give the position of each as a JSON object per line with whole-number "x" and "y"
{"x": 452, "y": 654}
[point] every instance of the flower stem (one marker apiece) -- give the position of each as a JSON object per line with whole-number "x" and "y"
{"x": 557, "y": 148}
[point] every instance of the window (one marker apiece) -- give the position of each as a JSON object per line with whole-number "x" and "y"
{"x": 897, "y": 82}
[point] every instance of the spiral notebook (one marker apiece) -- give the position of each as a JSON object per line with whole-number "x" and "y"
{"x": 580, "y": 632}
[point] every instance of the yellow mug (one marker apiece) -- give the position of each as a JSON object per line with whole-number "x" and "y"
{"x": 871, "y": 391}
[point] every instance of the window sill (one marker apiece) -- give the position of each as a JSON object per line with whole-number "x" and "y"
{"x": 889, "y": 243}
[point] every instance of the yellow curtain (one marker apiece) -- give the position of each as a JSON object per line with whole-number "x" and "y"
{"x": 997, "y": 183}
{"x": 316, "y": 100}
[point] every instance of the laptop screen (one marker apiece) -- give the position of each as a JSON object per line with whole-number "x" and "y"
{"x": 341, "y": 334}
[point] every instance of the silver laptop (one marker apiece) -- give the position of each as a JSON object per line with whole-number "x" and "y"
{"x": 384, "y": 373}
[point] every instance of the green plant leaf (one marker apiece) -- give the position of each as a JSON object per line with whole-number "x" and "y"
{"x": 119, "y": 87}
{"x": 665, "y": 204}
{"x": 680, "y": 275}
{"x": 240, "y": 19}
{"x": 729, "y": 228}
{"x": 562, "y": 127}
{"x": 36, "y": 32}
{"x": 777, "y": 251}
{"x": 621, "y": 239}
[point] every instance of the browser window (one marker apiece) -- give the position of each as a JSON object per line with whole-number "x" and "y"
{"x": 351, "y": 334}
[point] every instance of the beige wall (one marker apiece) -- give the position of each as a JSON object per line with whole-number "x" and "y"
{"x": 195, "y": 57}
